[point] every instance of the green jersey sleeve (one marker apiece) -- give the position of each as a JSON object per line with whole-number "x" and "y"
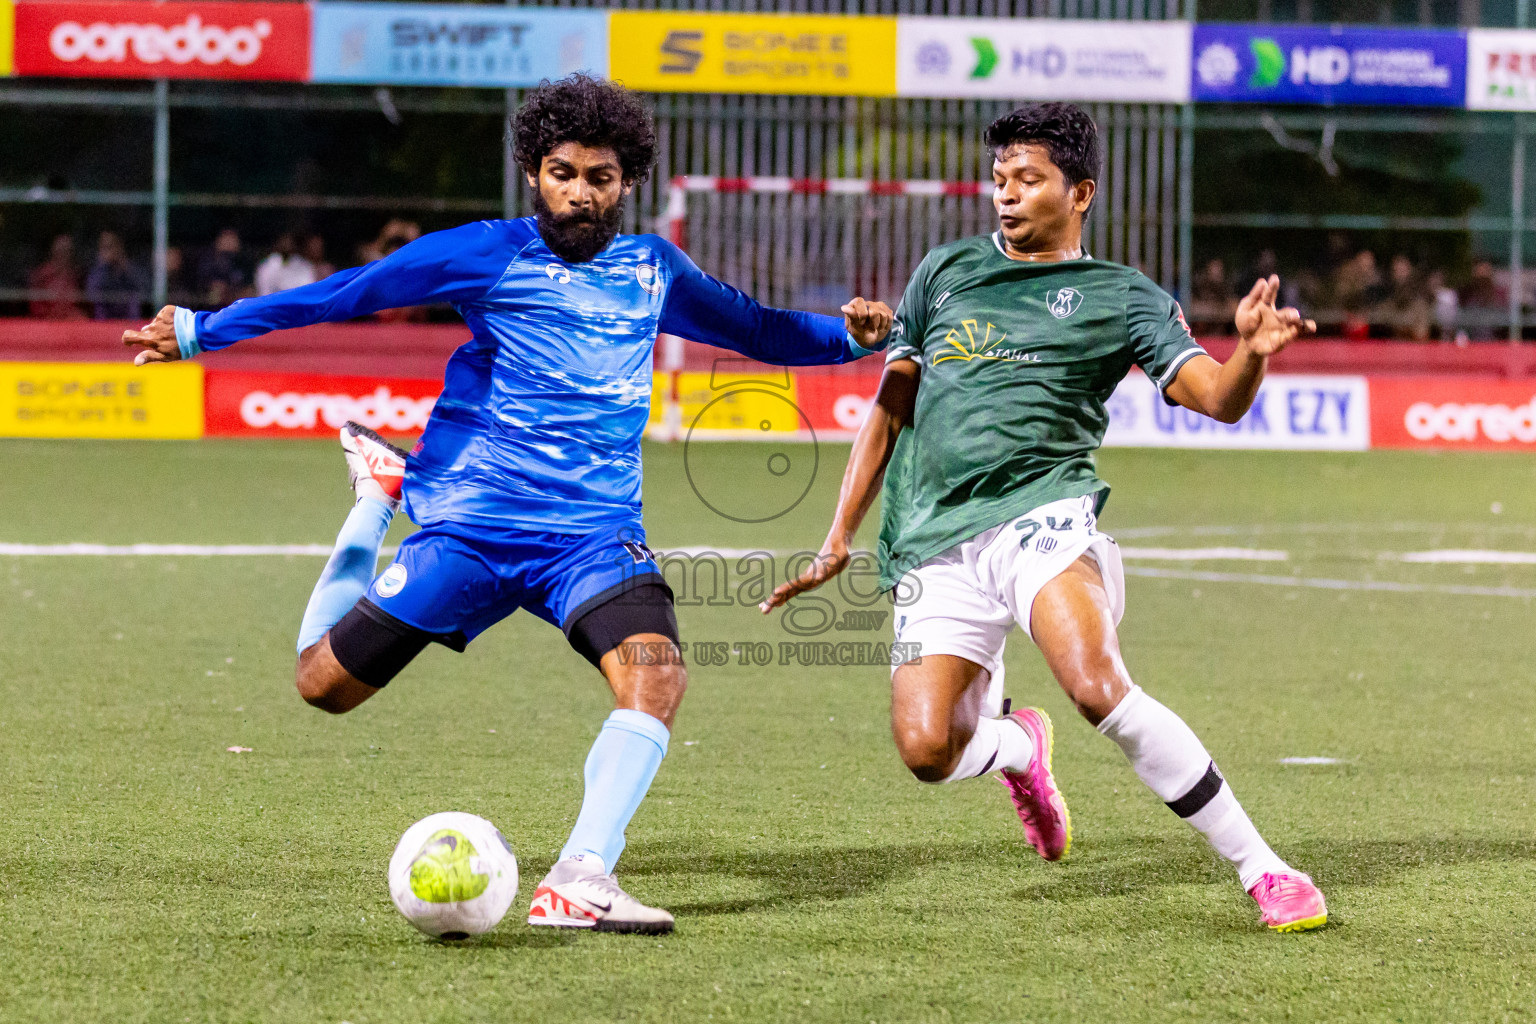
{"x": 911, "y": 318}
{"x": 1160, "y": 337}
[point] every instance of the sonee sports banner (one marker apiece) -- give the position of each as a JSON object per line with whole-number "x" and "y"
{"x": 252, "y": 41}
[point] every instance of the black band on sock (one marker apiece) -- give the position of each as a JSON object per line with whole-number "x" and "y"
{"x": 1200, "y": 794}
{"x": 988, "y": 766}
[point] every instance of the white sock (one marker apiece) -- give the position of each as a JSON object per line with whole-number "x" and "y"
{"x": 998, "y": 743}
{"x": 1170, "y": 759}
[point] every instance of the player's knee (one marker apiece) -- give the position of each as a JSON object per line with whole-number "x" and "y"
{"x": 925, "y": 750}
{"x": 1096, "y": 694}
{"x": 321, "y": 692}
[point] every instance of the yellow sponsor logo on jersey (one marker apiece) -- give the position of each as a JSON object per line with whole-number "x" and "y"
{"x": 825, "y": 55}
{"x": 978, "y": 343}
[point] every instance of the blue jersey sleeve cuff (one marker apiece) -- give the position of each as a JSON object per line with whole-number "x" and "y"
{"x": 857, "y": 351}
{"x": 186, "y": 332}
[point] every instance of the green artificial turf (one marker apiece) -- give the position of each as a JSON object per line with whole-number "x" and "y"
{"x": 147, "y": 874}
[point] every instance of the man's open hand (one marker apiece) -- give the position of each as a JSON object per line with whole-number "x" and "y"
{"x": 832, "y": 560}
{"x": 868, "y": 322}
{"x": 1265, "y": 329}
{"x": 157, "y": 338}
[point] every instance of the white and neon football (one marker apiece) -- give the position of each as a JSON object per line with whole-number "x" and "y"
{"x": 453, "y": 875}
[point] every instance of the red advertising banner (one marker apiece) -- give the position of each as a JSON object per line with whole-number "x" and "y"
{"x": 835, "y": 404}
{"x": 1452, "y": 412}
{"x": 126, "y": 39}
{"x": 240, "y": 404}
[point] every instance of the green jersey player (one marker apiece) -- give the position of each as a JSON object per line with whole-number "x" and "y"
{"x": 1004, "y": 352}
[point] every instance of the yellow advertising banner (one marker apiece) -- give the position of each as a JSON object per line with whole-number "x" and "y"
{"x": 7, "y": 37}
{"x": 101, "y": 400}
{"x": 679, "y": 51}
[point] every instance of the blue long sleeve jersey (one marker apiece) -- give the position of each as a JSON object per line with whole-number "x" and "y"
{"x": 542, "y": 410}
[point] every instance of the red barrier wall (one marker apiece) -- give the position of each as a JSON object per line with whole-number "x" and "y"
{"x": 421, "y": 350}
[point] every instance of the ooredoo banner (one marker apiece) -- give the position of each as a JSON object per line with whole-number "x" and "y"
{"x": 1453, "y": 412}
{"x": 1044, "y": 59}
{"x": 450, "y": 44}
{"x": 241, "y": 404}
{"x": 1329, "y": 65}
{"x": 1293, "y": 412}
{"x": 254, "y": 41}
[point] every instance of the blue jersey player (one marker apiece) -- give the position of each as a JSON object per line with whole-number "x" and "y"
{"x": 526, "y": 484}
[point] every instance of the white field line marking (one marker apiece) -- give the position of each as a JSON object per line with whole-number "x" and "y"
{"x": 1317, "y": 583}
{"x": 196, "y": 550}
{"x": 1207, "y": 554}
{"x": 1311, "y": 760}
{"x": 1462, "y": 556}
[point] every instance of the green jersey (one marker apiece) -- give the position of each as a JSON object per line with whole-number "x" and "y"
{"x": 1017, "y": 362}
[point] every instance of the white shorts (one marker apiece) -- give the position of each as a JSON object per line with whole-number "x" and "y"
{"x": 964, "y": 600}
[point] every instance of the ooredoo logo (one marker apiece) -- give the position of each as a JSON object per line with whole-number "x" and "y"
{"x": 291, "y": 410}
{"x": 151, "y": 44}
{"x": 1470, "y": 421}
{"x": 164, "y": 40}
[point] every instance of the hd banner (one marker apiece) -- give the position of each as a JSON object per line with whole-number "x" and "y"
{"x": 1044, "y": 59}
{"x": 251, "y": 41}
{"x": 1501, "y": 69}
{"x": 826, "y": 55}
{"x": 450, "y": 44}
{"x": 1329, "y": 65}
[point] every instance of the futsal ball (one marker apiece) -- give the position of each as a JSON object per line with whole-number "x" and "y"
{"x": 453, "y": 875}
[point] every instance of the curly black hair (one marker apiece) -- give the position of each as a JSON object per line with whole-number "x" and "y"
{"x": 593, "y": 112}
{"x": 1064, "y": 129}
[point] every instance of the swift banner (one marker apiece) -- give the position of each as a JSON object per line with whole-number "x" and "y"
{"x": 252, "y": 41}
{"x": 1044, "y": 59}
{"x": 667, "y": 51}
{"x": 1501, "y": 69}
{"x": 101, "y": 400}
{"x": 445, "y": 44}
{"x": 7, "y": 35}
{"x": 1329, "y": 65}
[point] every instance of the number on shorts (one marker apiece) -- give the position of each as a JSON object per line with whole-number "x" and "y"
{"x": 1029, "y": 528}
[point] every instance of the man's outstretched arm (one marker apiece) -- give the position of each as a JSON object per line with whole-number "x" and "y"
{"x": 701, "y": 308}
{"x": 1225, "y": 391}
{"x": 890, "y": 413}
{"x": 457, "y": 265}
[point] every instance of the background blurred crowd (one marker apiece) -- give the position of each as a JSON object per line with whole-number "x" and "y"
{"x": 106, "y": 284}
{"x": 1353, "y": 293}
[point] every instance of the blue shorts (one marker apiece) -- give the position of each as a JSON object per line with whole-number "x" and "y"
{"x": 455, "y": 581}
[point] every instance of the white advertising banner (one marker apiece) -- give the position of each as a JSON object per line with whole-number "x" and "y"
{"x": 1501, "y": 69}
{"x": 1292, "y": 412}
{"x": 1044, "y": 59}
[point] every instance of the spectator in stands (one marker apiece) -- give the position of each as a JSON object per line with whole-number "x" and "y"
{"x": 1212, "y": 302}
{"x": 223, "y": 275}
{"x": 1483, "y": 303}
{"x": 58, "y": 281}
{"x": 284, "y": 268}
{"x": 395, "y": 233}
{"x": 179, "y": 287}
{"x": 314, "y": 251}
{"x": 116, "y": 287}
{"x": 1407, "y": 311}
{"x": 1357, "y": 289}
{"x": 1447, "y": 308}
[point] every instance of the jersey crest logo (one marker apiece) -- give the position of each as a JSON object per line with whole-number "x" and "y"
{"x": 557, "y": 273}
{"x": 1064, "y": 303}
{"x": 650, "y": 281}
{"x": 971, "y": 347}
{"x": 392, "y": 582}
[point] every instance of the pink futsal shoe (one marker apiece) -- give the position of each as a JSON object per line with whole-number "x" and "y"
{"x": 375, "y": 467}
{"x": 1289, "y": 902}
{"x": 1041, "y": 807}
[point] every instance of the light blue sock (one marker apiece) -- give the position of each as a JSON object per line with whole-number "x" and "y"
{"x": 620, "y": 767}
{"x": 348, "y": 572}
